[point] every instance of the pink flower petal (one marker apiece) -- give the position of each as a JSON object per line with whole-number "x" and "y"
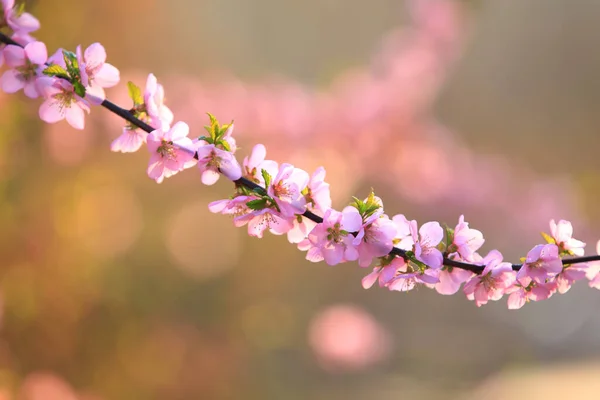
{"x": 36, "y": 52}
{"x": 11, "y": 81}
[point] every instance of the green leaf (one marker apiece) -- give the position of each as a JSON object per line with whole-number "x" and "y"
{"x": 259, "y": 191}
{"x": 72, "y": 65}
{"x": 135, "y": 93}
{"x": 213, "y": 120}
{"x": 268, "y": 178}
{"x": 56, "y": 70}
{"x": 19, "y": 9}
{"x": 79, "y": 89}
{"x": 225, "y": 145}
{"x": 257, "y": 204}
{"x": 548, "y": 238}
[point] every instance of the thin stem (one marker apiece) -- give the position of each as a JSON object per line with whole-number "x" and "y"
{"x": 128, "y": 116}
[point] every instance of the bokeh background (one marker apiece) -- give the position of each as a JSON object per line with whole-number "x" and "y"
{"x": 113, "y": 287}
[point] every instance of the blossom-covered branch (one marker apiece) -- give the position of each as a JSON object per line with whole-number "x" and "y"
{"x": 282, "y": 198}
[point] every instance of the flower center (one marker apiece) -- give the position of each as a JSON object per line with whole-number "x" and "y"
{"x": 167, "y": 150}
{"x": 65, "y": 99}
{"x": 27, "y": 71}
{"x": 282, "y": 190}
{"x": 336, "y": 234}
{"x": 488, "y": 281}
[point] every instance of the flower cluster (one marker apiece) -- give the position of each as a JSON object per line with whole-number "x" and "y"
{"x": 282, "y": 198}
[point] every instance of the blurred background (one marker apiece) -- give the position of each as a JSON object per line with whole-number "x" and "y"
{"x": 113, "y": 287}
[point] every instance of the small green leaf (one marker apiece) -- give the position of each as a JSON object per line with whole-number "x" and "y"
{"x": 225, "y": 145}
{"x": 56, "y": 70}
{"x": 135, "y": 93}
{"x": 257, "y": 204}
{"x": 19, "y": 9}
{"x": 79, "y": 89}
{"x": 268, "y": 178}
{"x": 213, "y": 120}
{"x": 72, "y": 65}
{"x": 548, "y": 238}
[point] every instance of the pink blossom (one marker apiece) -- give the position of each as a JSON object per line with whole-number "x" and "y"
{"x": 593, "y": 270}
{"x": 171, "y": 151}
{"x": 569, "y": 274}
{"x": 130, "y": 140}
{"x": 23, "y": 38}
{"x": 404, "y": 239}
{"x": 19, "y": 22}
{"x": 260, "y": 220}
{"x": 213, "y": 161}
{"x": 527, "y": 290}
{"x": 154, "y": 95}
{"x": 286, "y": 189}
{"x": 61, "y": 102}
{"x": 451, "y": 279}
{"x": 542, "y": 262}
{"x": 430, "y": 235}
{"x": 255, "y": 163}
{"x": 407, "y": 281}
{"x": 301, "y": 227}
{"x": 235, "y": 207}
{"x": 318, "y": 196}
{"x": 96, "y": 73}
{"x": 377, "y": 240}
{"x": 563, "y": 236}
{"x": 495, "y": 279}
{"x": 27, "y": 64}
{"x": 384, "y": 274}
{"x": 466, "y": 240}
{"x": 332, "y": 239}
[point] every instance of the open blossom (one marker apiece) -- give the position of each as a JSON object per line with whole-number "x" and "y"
{"x": 593, "y": 270}
{"x": 495, "y": 279}
{"x": 332, "y": 239}
{"x": 405, "y": 280}
{"x": 377, "y": 240}
{"x": 384, "y": 273}
{"x": 130, "y": 140}
{"x": 213, "y": 161}
{"x": 562, "y": 233}
{"x": 18, "y": 21}
{"x": 286, "y": 189}
{"x": 542, "y": 262}
{"x": 236, "y": 206}
{"x": 61, "y": 102}
{"x": 260, "y": 220}
{"x": 451, "y": 279}
{"x": 425, "y": 248}
{"x": 301, "y": 227}
{"x": 318, "y": 196}
{"x": 527, "y": 290}
{"x": 404, "y": 239}
{"x": 96, "y": 73}
{"x": 564, "y": 280}
{"x": 466, "y": 241}
{"x": 26, "y": 66}
{"x": 318, "y": 199}
{"x": 171, "y": 151}
{"x": 255, "y": 163}
{"x": 154, "y": 97}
